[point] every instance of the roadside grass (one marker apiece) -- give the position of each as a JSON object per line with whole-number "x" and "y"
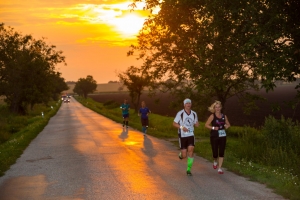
{"x": 247, "y": 151}
{"x": 18, "y": 131}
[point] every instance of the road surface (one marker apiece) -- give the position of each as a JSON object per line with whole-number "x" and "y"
{"x": 83, "y": 155}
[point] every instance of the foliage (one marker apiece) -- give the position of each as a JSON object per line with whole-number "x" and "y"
{"x": 282, "y": 138}
{"x": 59, "y": 85}
{"x": 27, "y": 70}
{"x": 29, "y": 127}
{"x": 136, "y": 81}
{"x": 275, "y": 145}
{"x": 85, "y": 86}
{"x": 291, "y": 104}
{"x": 111, "y": 104}
{"x": 218, "y": 49}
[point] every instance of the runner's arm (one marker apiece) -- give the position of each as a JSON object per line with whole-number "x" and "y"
{"x": 227, "y": 124}
{"x": 208, "y": 122}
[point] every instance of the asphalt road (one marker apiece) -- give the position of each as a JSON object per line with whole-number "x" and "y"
{"x": 83, "y": 155}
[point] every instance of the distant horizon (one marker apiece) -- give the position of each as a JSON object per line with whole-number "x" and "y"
{"x": 109, "y": 82}
{"x": 113, "y": 82}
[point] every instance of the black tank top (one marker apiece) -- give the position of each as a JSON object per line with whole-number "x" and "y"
{"x": 217, "y": 122}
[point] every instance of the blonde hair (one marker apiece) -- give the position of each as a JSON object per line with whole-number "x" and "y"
{"x": 212, "y": 107}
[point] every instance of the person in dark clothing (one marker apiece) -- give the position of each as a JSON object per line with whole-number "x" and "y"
{"x": 125, "y": 113}
{"x": 143, "y": 113}
{"x": 217, "y": 122}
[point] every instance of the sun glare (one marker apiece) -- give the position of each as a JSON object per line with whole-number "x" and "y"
{"x": 115, "y": 20}
{"x": 117, "y": 16}
{"x": 128, "y": 25}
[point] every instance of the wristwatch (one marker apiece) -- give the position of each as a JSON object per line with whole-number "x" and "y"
{"x": 181, "y": 127}
{"x": 213, "y": 128}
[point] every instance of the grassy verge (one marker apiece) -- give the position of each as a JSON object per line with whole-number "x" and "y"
{"x": 20, "y": 131}
{"x": 240, "y": 149}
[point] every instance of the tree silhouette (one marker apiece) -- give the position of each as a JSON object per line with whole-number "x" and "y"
{"x": 27, "y": 70}
{"x": 219, "y": 49}
{"x": 85, "y": 86}
{"x": 136, "y": 81}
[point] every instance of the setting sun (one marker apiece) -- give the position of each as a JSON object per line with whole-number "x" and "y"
{"x": 119, "y": 19}
{"x": 128, "y": 25}
{"x": 94, "y": 35}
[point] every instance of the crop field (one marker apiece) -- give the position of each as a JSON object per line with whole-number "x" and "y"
{"x": 279, "y": 97}
{"x": 104, "y": 87}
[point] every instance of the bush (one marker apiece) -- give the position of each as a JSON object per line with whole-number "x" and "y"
{"x": 10, "y": 123}
{"x": 276, "y": 144}
{"x": 282, "y": 139}
{"x": 249, "y": 144}
{"x": 111, "y": 104}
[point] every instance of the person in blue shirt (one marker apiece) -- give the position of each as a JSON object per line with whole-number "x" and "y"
{"x": 143, "y": 113}
{"x": 125, "y": 113}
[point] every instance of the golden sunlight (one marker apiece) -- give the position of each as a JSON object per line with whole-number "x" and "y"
{"x": 129, "y": 24}
{"x": 117, "y": 16}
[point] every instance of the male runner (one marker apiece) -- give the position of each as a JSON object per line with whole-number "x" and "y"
{"x": 125, "y": 113}
{"x": 185, "y": 121}
{"x": 144, "y": 112}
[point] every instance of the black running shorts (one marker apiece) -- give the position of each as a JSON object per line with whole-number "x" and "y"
{"x": 145, "y": 122}
{"x": 185, "y": 142}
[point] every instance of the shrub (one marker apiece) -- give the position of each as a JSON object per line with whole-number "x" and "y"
{"x": 249, "y": 145}
{"x": 111, "y": 104}
{"x": 282, "y": 139}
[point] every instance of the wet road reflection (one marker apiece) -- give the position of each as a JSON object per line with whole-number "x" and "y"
{"x": 83, "y": 155}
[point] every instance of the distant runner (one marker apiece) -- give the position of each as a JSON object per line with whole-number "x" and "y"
{"x": 144, "y": 112}
{"x": 185, "y": 121}
{"x": 217, "y": 122}
{"x": 125, "y": 113}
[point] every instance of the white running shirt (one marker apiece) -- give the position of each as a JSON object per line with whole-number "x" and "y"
{"x": 188, "y": 121}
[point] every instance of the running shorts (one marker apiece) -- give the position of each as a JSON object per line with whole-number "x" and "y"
{"x": 185, "y": 142}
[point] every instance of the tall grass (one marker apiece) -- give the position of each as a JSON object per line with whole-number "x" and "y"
{"x": 269, "y": 155}
{"x": 18, "y": 131}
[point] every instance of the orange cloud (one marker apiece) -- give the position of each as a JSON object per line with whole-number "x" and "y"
{"x": 82, "y": 30}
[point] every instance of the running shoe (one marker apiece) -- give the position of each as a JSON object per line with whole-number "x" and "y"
{"x": 180, "y": 156}
{"x": 188, "y": 172}
{"x": 220, "y": 171}
{"x": 215, "y": 165}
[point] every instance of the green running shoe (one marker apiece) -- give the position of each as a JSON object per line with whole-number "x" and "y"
{"x": 188, "y": 172}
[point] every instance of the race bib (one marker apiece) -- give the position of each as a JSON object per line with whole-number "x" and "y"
{"x": 222, "y": 133}
{"x": 189, "y": 131}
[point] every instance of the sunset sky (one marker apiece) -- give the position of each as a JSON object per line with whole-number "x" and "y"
{"x": 94, "y": 35}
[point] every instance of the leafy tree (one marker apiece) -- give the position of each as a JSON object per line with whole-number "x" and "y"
{"x": 218, "y": 49}
{"x": 27, "y": 70}
{"x": 84, "y": 86}
{"x": 58, "y": 85}
{"x": 136, "y": 81}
